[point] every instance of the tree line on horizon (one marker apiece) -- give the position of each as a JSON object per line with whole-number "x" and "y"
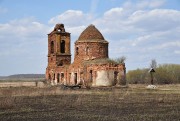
{"x": 164, "y": 74}
{"x": 23, "y": 76}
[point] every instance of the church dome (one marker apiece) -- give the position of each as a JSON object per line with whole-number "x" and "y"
{"x": 91, "y": 33}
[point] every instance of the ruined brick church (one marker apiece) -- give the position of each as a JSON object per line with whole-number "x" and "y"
{"x": 91, "y": 61}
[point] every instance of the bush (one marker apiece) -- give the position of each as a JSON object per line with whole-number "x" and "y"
{"x": 168, "y": 74}
{"x": 138, "y": 76}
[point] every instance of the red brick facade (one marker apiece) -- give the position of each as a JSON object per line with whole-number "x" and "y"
{"x": 91, "y": 64}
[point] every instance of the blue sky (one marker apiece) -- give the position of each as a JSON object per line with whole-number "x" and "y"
{"x": 141, "y": 30}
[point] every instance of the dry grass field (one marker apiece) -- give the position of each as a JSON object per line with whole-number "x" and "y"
{"x": 135, "y": 103}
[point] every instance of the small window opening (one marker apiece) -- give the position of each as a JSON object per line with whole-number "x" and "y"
{"x": 58, "y": 78}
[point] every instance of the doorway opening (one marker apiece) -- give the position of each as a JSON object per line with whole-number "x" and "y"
{"x": 91, "y": 75}
{"x": 75, "y": 78}
{"x": 62, "y": 77}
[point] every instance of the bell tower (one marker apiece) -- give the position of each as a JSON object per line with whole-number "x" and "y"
{"x": 59, "y": 53}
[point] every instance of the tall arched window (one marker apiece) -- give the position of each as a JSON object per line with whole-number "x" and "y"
{"x": 62, "y": 46}
{"x": 77, "y": 50}
{"x": 52, "y": 47}
{"x": 58, "y": 77}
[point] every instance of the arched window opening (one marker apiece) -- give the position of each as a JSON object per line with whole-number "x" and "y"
{"x": 91, "y": 75}
{"x": 62, "y": 46}
{"x": 77, "y": 50}
{"x": 87, "y": 51}
{"x": 52, "y": 47}
{"x": 62, "y": 77}
{"x": 59, "y": 30}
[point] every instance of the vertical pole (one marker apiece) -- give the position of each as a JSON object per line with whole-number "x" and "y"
{"x": 152, "y": 82}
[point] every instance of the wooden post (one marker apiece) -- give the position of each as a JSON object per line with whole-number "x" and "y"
{"x": 152, "y": 77}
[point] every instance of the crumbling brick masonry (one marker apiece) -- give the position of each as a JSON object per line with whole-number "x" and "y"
{"x": 91, "y": 64}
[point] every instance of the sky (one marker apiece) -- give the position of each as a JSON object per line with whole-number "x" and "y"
{"x": 140, "y": 30}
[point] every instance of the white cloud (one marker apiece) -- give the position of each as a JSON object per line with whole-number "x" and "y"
{"x": 139, "y": 23}
{"x": 145, "y": 33}
{"x": 141, "y": 39}
{"x": 173, "y": 45}
{"x": 156, "y": 20}
{"x": 75, "y": 31}
{"x": 116, "y": 20}
{"x": 114, "y": 12}
{"x": 71, "y": 18}
{"x": 20, "y": 35}
{"x": 22, "y": 28}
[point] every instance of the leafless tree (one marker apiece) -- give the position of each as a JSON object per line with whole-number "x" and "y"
{"x": 153, "y": 64}
{"x": 120, "y": 59}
